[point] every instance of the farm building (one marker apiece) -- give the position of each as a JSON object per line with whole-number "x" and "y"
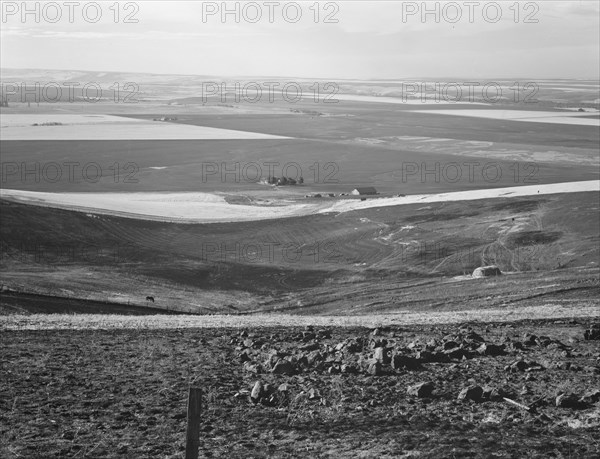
{"x": 363, "y": 191}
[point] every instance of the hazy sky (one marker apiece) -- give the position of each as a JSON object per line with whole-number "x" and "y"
{"x": 348, "y": 39}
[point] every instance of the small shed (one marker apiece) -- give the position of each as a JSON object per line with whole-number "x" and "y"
{"x": 367, "y": 190}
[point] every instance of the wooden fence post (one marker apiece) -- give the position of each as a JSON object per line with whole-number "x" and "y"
{"x": 192, "y": 442}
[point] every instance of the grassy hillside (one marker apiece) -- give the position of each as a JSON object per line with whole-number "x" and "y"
{"x": 388, "y": 256}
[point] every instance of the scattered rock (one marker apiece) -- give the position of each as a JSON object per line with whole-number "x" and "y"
{"x": 592, "y": 334}
{"x": 283, "y": 367}
{"x": 515, "y": 346}
{"x": 567, "y": 401}
{"x": 348, "y": 368}
{"x": 314, "y": 356}
{"x": 534, "y": 367}
{"x": 519, "y": 365}
{"x": 432, "y": 344}
{"x": 314, "y": 393}
{"x": 382, "y": 354}
{"x": 308, "y": 336}
{"x": 378, "y": 343}
{"x": 283, "y": 387}
{"x": 474, "y": 393}
{"x": 421, "y": 390}
{"x": 400, "y": 361}
{"x": 472, "y": 336}
{"x": 522, "y": 365}
{"x": 303, "y": 360}
{"x": 252, "y": 367}
{"x": 493, "y": 393}
{"x": 256, "y": 392}
{"x": 324, "y": 334}
{"x": 353, "y": 346}
{"x": 555, "y": 345}
{"x": 591, "y": 397}
{"x": 458, "y": 353}
{"x": 544, "y": 341}
{"x": 273, "y": 358}
{"x": 426, "y": 356}
{"x": 491, "y": 349}
{"x": 375, "y": 369}
{"x": 413, "y": 345}
{"x": 309, "y": 347}
{"x": 263, "y": 393}
{"x": 487, "y": 271}
{"x": 450, "y": 345}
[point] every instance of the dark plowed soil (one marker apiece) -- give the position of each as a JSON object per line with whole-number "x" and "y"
{"x": 101, "y": 394}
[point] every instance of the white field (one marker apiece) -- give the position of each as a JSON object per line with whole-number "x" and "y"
{"x": 194, "y": 206}
{"x": 107, "y": 127}
{"x": 470, "y": 195}
{"x": 522, "y": 115}
{"x": 206, "y": 207}
{"x": 107, "y": 322}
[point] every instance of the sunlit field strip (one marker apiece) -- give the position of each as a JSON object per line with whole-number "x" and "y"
{"x": 102, "y": 322}
{"x": 522, "y": 115}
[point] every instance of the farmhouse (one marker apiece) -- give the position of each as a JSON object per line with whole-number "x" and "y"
{"x": 367, "y": 190}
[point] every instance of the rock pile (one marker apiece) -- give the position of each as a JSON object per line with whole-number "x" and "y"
{"x": 383, "y": 353}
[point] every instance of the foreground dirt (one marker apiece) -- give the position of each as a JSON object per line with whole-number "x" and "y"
{"x": 323, "y": 392}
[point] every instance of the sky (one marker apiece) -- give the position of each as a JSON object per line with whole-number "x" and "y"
{"x": 341, "y": 39}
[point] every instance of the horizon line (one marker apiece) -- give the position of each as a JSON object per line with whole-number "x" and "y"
{"x": 2, "y": 68}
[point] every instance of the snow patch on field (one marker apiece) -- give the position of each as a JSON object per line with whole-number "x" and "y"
{"x": 521, "y": 115}
{"x": 208, "y": 207}
{"x": 516, "y": 191}
{"x": 197, "y": 207}
{"x": 107, "y": 127}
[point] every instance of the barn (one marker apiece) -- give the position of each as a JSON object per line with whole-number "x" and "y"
{"x": 367, "y": 190}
